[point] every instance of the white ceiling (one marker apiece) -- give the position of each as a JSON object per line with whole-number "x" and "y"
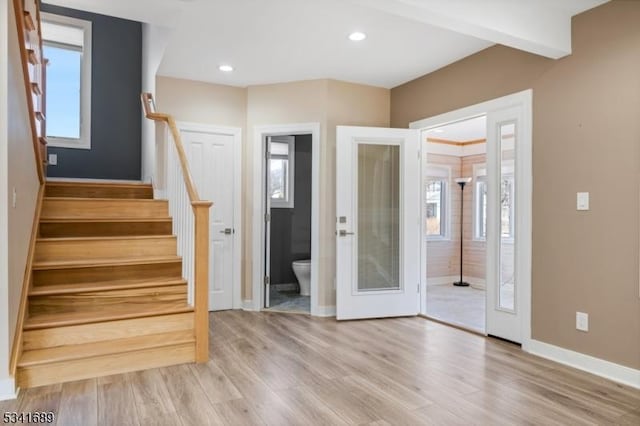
{"x": 269, "y": 41}
{"x": 462, "y": 131}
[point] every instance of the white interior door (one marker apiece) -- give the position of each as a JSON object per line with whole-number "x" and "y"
{"x": 267, "y": 225}
{"x": 378, "y": 223}
{"x": 211, "y": 160}
{"x": 507, "y": 172}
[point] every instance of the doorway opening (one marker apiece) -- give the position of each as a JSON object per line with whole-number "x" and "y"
{"x": 293, "y": 202}
{"x": 455, "y": 195}
{"x": 497, "y": 211}
{"x": 288, "y": 223}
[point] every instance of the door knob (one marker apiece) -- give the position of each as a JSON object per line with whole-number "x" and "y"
{"x": 227, "y": 231}
{"x": 344, "y": 233}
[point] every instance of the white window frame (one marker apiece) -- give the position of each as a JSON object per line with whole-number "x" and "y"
{"x": 84, "y": 142}
{"x": 445, "y": 213}
{"x": 291, "y": 169}
{"x": 479, "y": 175}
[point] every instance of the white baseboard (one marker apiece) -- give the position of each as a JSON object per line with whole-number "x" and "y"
{"x": 8, "y": 389}
{"x": 325, "y": 311}
{"x": 247, "y": 305}
{"x": 609, "y": 370}
{"x": 477, "y": 283}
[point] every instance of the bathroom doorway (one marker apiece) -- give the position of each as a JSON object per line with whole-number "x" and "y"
{"x": 288, "y": 212}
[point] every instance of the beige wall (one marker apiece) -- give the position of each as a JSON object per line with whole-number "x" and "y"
{"x": 201, "y": 102}
{"x": 586, "y": 137}
{"x": 21, "y": 175}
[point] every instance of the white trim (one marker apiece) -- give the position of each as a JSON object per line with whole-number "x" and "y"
{"x": 609, "y": 370}
{"x": 236, "y": 133}
{"x": 84, "y": 142}
{"x": 259, "y": 139}
{"x": 524, "y": 100}
{"x": 326, "y": 311}
{"x": 247, "y": 305}
{"x": 8, "y": 389}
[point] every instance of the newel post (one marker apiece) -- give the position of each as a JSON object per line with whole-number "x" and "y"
{"x": 201, "y": 278}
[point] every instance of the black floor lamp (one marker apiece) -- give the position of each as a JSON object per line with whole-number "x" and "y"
{"x": 462, "y": 182}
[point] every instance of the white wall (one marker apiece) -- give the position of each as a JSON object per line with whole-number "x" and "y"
{"x": 154, "y": 41}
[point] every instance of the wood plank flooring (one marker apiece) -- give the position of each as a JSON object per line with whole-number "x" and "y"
{"x": 280, "y": 369}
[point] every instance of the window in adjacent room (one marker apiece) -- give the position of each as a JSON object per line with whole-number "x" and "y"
{"x": 67, "y": 46}
{"x": 281, "y": 171}
{"x": 507, "y": 204}
{"x": 436, "y": 199}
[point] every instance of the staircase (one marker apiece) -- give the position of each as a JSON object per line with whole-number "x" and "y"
{"x": 107, "y": 293}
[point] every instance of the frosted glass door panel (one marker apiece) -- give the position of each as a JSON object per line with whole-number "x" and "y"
{"x": 378, "y": 231}
{"x": 506, "y": 293}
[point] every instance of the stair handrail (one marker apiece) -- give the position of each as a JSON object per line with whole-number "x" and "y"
{"x": 28, "y": 23}
{"x": 201, "y": 231}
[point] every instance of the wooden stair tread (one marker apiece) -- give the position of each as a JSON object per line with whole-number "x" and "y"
{"x": 105, "y": 238}
{"x": 90, "y": 263}
{"x": 98, "y": 184}
{"x": 49, "y": 290}
{"x": 89, "y": 199}
{"x": 110, "y": 313}
{"x": 109, "y": 347}
{"x": 105, "y": 219}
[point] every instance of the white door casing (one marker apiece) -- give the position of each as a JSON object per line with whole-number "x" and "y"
{"x": 377, "y": 272}
{"x": 212, "y": 152}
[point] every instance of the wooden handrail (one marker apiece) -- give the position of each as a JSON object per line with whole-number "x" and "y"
{"x": 25, "y": 35}
{"x": 201, "y": 224}
{"x": 149, "y": 112}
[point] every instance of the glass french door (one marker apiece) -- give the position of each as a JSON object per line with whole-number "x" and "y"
{"x": 378, "y": 222}
{"x": 506, "y": 170}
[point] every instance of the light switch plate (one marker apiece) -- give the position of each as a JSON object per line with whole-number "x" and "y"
{"x": 582, "y": 321}
{"x": 582, "y": 201}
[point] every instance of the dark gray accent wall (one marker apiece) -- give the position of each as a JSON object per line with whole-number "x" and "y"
{"x": 291, "y": 228}
{"x": 116, "y": 82}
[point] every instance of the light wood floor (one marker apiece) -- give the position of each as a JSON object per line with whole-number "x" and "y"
{"x": 278, "y": 369}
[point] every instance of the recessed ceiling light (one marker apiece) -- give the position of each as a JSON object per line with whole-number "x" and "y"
{"x": 357, "y": 36}
{"x": 225, "y": 68}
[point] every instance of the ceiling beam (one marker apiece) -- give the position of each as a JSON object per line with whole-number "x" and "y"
{"x": 541, "y": 27}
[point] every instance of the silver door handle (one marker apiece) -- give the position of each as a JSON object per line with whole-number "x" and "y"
{"x": 344, "y": 233}
{"x": 227, "y": 231}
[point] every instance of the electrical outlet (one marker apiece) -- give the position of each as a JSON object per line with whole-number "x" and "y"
{"x": 53, "y": 159}
{"x": 582, "y": 321}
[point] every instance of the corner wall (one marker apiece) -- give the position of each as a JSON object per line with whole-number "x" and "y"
{"x": 17, "y": 159}
{"x": 586, "y": 137}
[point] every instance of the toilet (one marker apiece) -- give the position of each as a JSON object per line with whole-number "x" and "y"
{"x": 302, "y": 269}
